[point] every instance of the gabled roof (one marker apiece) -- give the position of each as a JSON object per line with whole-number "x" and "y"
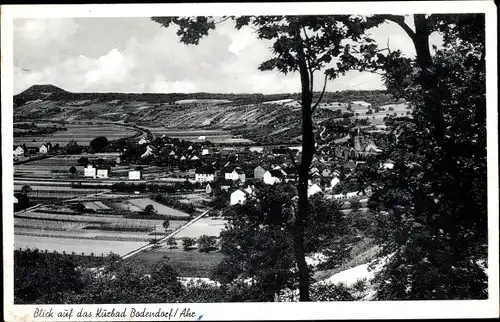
{"x": 276, "y": 173}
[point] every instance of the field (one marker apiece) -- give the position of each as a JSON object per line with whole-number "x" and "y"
{"x": 204, "y": 226}
{"x": 187, "y": 263}
{"x": 160, "y": 209}
{"x": 81, "y": 133}
{"x": 78, "y": 246}
{"x": 214, "y": 136}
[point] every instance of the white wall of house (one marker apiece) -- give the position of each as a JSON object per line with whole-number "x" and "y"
{"x": 231, "y": 175}
{"x": 204, "y": 177}
{"x": 89, "y": 171}
{"x": 269, "y": 179}
{"x": 334, "y": 182}
{"x": 43, "y": 149}
{"x": 205, "y": 152}
{"x": 103, "y": 173}
{"x": 19, "y": 151}
{"x": 314, "y": 189}
{"x": 238, "y": 197}
{"x": 134, "y": 175}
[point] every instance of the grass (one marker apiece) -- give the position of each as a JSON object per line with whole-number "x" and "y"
{"x": 362, "y": 253}
{"x": 186, "y": 263}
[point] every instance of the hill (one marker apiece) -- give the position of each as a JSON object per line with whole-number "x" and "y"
{"x": 272, "y": 118}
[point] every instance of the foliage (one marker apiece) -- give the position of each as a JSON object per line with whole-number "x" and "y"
{"x": 171, "y": 242}
{"x": 72, "y": 170}
{"x": 166, "y": 224}
{"x": 98, "y": 144}
{"x": 206, "y": 243}
{"x": 431, "y": 208}
{"x": 187, "y": 243}
{"x": 258, "y": 244}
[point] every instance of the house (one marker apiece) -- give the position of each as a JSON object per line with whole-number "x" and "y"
{"x": 134, "y": 174}
{"x": 103, "y": 173}
{"x": 143, "y": 141}
{"x": 273, "y": 176}
{"x": 19, "y": 151}
{"x": 202, "y": 137}
{"x": 205, "y": 152}
{"x": 44, "y": 148}
{"x": 334, "y": 182}
{"x": 234, "y": 173}
{"x": 258, "y": 172}
{"x": 326, "y": 172}
{"x": 194, "y": 158}
{"x": 149, "y": 151}
{"x": 208, "y": 189}
{"x": 313, "y": 189}
{"x": 204, "y": 174}
{"x": 183, "y": 158}
{"x": 90, "y": 171}
{"x": 240, "y": 196}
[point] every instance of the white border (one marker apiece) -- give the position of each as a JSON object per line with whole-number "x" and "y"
{"x": 270, "y": 311}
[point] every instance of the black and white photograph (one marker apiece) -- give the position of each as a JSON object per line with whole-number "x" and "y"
{"x": 236, "y": 156}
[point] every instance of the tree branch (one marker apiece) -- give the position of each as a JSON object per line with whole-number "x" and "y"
{"x": 400, "y": 20}
{"x": 320, "y": 96}
{"x": 290, "y": 154}
{"x": 309, "y": 65}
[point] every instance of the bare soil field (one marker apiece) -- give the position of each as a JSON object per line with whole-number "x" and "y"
{"x": 204, "y": 226}
{"x": 160, "y": 209}
{"x": 75, "y": 245}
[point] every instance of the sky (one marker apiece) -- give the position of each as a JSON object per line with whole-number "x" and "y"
{"x": 136, "y": 55}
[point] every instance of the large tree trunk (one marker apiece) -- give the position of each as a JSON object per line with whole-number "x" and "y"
{"x": 428, "y": 79}
{"x": 303, "y": 202}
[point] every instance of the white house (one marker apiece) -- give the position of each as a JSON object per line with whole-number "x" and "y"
{"x": 235, "y": 174}
{"x": 134, "y": 175}
{"x": 313, "y": 189}
{"x": 149, "y": 151}
{"x": 19, "y": 150}
{"x": 195, "y": 158}
{"x": 202, "y": 137}
{"x": 208, "y": 189}
{"x": 240, "y": 196}
{"x": 388, "y": 165}
{"x": 334, "y": 182}
{"x": 273, "y": 176}
{"x": 143, "y": 141}
{"x": 89, "y": 171}
{"x": 204, "y": 174}
{"x": 103, "y": 173}
{"x": 44, "y": 149}
{"x": 183, "y": 158}
{"x": 205, "y": 152}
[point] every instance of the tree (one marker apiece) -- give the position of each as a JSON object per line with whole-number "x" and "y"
{"x": 187, "y": 243}
{"x": 206, "y": 243}
{"x": 98, "y": 143}
{"x": 432, "y": 206}
{"x": 149, "y": 209}
{"x": 79, "y": 207}
{"x": 166, "y": 224}
{"x": 258, "y": 244}
{"x": 171, "y": 242}
{"x": 25, "y": 190}
{"x": 83, "y": 161}
{"x": 303, "y": 44}
{"x": 72, "y": 170}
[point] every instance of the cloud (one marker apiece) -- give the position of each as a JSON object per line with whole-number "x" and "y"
{"x": 136, "y": 55}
